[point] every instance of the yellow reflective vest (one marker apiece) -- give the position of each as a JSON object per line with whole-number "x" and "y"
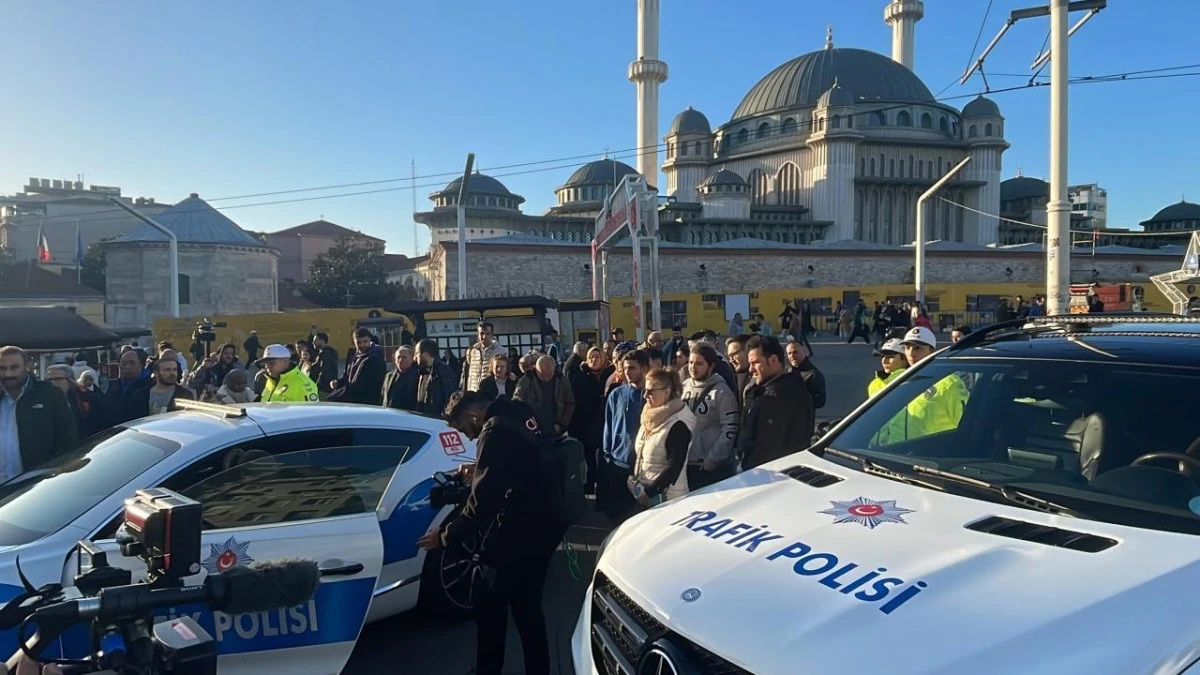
{"x": 293, "y": 386}
{"x": 881, "y": 380}
{"x": 936, "y": 410}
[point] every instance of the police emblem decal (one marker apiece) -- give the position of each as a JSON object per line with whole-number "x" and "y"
{"x": 867, "y": 512}
{"x": 690, "y": 595}
{"x": 224, "y": 556}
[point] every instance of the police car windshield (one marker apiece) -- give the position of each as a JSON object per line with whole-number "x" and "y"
{"x": 45, "y": 500}
{"x": 1089, "y": 435}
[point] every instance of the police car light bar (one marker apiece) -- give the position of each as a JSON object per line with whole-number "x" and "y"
{"x": 218, "y": 409}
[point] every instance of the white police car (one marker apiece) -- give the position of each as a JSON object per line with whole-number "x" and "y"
{"x": 1048, "y": 525}
{"x": 345, "y": 485}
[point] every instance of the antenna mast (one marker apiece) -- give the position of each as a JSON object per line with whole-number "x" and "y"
{"x": 416, "y": 245}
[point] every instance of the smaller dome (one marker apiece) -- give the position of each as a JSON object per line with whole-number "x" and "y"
{"x": 600, "y": 172}
{"x": 479, "y": 184}
{"x": 981, "y": 107}
{"x": 835, "y": 96}
{"x": 723, "y": 177}
{"x": 690, "y": 121}
{"x": 1023, "y": 187}
{"x": 1184, "y": 210}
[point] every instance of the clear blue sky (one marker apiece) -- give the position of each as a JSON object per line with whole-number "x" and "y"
{"x": 230, "y": 98}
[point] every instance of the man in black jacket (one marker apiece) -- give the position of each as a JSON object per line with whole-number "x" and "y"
{"x": 400, "y": 385}
{"x": 363, "y": 380}
{"x": 435, "y": 380}
{"x": 800, "y": 362}
{"x": 519, "y": 541}
{"x": 327, "y": 362}
{"x": 161, "y": 396}
{"x": 35, "y": 423}
{"x": 777, "y": 417}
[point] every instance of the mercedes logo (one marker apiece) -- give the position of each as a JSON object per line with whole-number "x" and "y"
{"x": 690, "y": 595}
{"x": 657, "y": 662}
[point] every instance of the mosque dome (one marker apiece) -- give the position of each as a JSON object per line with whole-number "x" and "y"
{"x": 863, "y": 75}
{"x": 599, "y": 172}
{"x": 482, "y": 191}
{"x": 981, "y": 107}
{"x": 1183, "y": 210}
{"x": 690, "y": 121}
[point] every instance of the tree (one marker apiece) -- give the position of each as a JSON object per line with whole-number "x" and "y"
{"x": 261, "y": 236}
{"x": 350, "y": 273}
{"x": 92, "y": 270}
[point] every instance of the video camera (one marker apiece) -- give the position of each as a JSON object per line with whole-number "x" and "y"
{"x": 448, "y": 489}
{"x": 162, "y": 529}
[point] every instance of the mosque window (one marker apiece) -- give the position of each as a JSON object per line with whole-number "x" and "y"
{"x": 892, "y": 168}
{"x": 872, "y": 166}
{"x": 789, "y": 127}
{"x": 987, "y": 129}
{"x": 682, "y": 149}
{"x": 903, "y": 119}
{"x": 911, "y": 166}
{"x": 764, "y": 130}
{"x": 185, "y": 289}
{"x": 943, "y": 125}
{"x": 850, "y": 121}
{"x": 836, "y": 123}
{"x": 972, "y": 131}
{"x": 862, "y": 166}
{"x": 878, "y": 119}
{"x": 926, "y": 121}
{"x": 743, "y": 136}
{"x": 902, "y": 168}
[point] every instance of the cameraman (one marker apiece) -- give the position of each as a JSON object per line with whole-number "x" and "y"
{"x": 515, "y": 551}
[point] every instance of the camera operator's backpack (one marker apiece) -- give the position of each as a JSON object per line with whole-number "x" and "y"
{"x": 563, "y": 472}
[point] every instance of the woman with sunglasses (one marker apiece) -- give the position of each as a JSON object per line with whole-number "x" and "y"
{"x": 662, "y": 442}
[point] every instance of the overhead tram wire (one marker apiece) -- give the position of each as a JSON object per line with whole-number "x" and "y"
{"x": 978, "y": 36}
{"x": 801, "y": 129}
{"x": 1090, "y": 233}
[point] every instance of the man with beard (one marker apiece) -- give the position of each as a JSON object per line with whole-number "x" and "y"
{"x": 507, "y": 511}
{"x": 160, "y": 397}
{"x": 435, "y": 379}
{"x": 777, "y": 417}
{"x": 326, "y": 363}
{"x": 36, "y": 425}
{"x": 363, "y": 380}
{"x": 286, "y": 383}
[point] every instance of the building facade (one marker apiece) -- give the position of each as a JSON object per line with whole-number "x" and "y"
{"x": 59, "y": 209}
{"x": 222, "y": 268}
{"x": 299, "y": 245}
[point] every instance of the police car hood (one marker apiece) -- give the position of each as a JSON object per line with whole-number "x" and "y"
{"x": 870, "y": 575}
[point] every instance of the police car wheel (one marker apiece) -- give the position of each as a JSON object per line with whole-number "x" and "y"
{"x": 449, "y": 580}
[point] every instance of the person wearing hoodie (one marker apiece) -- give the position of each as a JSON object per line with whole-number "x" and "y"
{"x": 435, "y": 380}
{"x": 507, "y": 513}
{"x": 235, "y": 389}
{"x": 622, "y": 418}
{"x": 363, "y": 380}
{"x": 715, "y": 431}
{"x": 777, "y": 416}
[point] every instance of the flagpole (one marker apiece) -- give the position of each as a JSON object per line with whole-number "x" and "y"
{"x": 78, "y": 254}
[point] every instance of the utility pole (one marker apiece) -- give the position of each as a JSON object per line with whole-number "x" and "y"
{"x": 922, "y": 235}
{"x": 172, "y": 253}
{"x": 1058, "y": 209}
{"x": 462, "y": 228}
{"x": 416, "y": 244}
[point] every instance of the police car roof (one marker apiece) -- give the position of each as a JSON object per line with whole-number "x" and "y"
{"x": 1151, "y": 339}
{"x": 274, "y": 418}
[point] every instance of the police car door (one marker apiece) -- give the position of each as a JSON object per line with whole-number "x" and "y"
{"x": 315, "y": 504}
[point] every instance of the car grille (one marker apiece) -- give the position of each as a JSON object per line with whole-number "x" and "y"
{"x": 623, "y": 632}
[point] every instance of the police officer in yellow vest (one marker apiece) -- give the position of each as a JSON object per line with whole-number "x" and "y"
{"x": 285, "y": 382}
{"x": 940, "y": 407}
{"x": 892, "y": 362}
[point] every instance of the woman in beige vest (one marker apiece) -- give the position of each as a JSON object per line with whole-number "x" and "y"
{"x": 662, "y": 443}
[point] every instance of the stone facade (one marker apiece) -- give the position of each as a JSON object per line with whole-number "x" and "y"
{"x": 562, "y": 271}
{"x": 213, "y": 280}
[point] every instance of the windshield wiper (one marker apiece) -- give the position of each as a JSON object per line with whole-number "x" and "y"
{"x": 1009, "y": 494}
{"x": 874, "y": 468}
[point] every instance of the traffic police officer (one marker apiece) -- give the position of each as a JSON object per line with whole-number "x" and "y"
{"x": 940, "y": 407}
{"x": 892, "y": 362}
{"x": 285, "y": 382}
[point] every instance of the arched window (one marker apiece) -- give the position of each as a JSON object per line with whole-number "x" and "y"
{"x": 878, "y": 119}
{"x": 789, "y": 127}
{"x": 987, "y": 129}
{"x": 872, "y": 166}
{"x": 943, "y": 125}
{"x": 759, "y": 186}
{"x": 787, "y": 185}
{"x": 185, "y": 289}
{"x": 902, "y": 168}
{"x": 850, "y": 121}
{"x": 682, "y": 149}
{"x": 926, "y": 121}
{"x": 836, "y": 122}
{"x": 903, "y": 119}
{"x": 764, "y": 130}
{"x": 892, "y": 168}
{"x": 743, "y": 136}
{"x": 972, "y": 131}
{"x": 862, "y": 166}
{"x": 912, "y": 166}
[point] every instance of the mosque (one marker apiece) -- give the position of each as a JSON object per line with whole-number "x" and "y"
{"x": 833, "y": 145}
